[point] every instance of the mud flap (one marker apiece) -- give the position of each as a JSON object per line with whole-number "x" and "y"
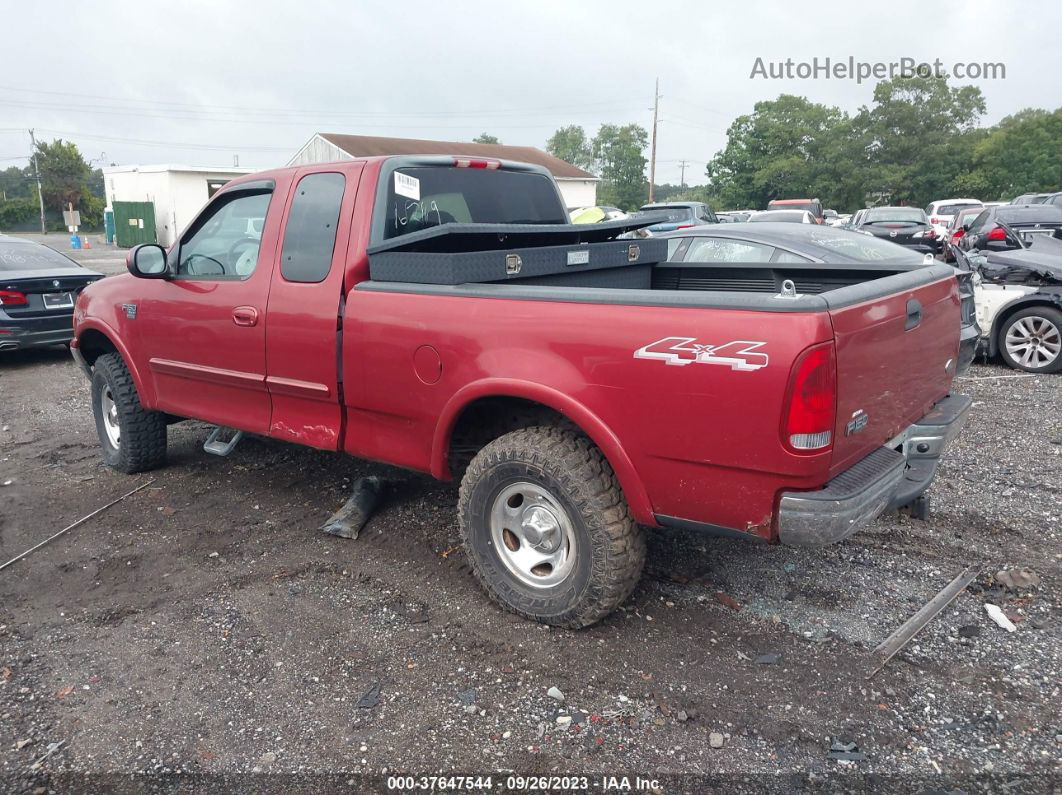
{"x": 348, "y": 521}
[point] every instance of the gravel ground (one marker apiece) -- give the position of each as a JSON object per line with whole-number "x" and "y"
{"x": 204, "y": 625}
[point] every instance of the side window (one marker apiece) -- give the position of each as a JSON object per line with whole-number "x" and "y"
{"x": 781, "y": 255}
{"x": 223, "y": 243}
{"x": 718, "y": 249}
{"x": 929, "y": 210}
{"x": 310, "y": 236}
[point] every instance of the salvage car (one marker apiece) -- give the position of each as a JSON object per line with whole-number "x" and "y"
{"x": 813, "y": 206}
{"x": 778, "y": 244}
{"x": 1019, "y": 303}
{"x": 1010, "y": 226}
{"x": 1030, "y": 198}
{"x": 905, "y": 226}
{"x": 440, "y": 314}
{"x": 38, "y": 286}
{"x": 941, "y": 211}
{"x": 956, "y": 230}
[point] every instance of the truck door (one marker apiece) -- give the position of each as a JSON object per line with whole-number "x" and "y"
{"x": 203, "y": 330}
{"x": 303, "y": 329}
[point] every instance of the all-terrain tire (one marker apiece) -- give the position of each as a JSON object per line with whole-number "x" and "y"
{"x": 1048, "y": 322}
{"x": 142, "y": 441}
{"x": 607, "y": 547}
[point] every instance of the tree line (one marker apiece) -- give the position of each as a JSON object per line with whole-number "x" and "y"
{"x": 919, "y": 140}
{"x": 66, "y": 178}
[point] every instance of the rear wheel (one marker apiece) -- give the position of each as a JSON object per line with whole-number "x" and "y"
{"x": 547, "y": 529}
{"x": 1031, "y": 340}
{"x": 132, "y": 438}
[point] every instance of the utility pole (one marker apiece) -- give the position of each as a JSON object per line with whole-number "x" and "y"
{"x": 37, "y": 174}
{"x": 652, "y": 156}
{"x": 682, "y": 182}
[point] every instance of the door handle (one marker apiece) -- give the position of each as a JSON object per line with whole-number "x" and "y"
{"x": 914, "y": 314}
{"x": 245, "y": 316}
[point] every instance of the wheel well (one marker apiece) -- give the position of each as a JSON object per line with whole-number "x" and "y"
{"x": 484, "y": 420}
{"x": 1009, "y": 311}
{"x": 93, "y": 344}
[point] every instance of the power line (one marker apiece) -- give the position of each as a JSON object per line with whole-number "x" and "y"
{"x": 188, "y": 107}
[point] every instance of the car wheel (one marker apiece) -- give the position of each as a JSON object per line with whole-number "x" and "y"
{"x": 132, "y": 438}
{"x": 1031, "y": 340}
{"x": 547, "y": 528}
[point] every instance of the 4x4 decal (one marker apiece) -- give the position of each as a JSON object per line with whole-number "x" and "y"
{"x": 737, "y": 355}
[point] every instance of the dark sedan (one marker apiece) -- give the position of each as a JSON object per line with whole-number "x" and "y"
{"x": 781, "y": 244}
{"x": 907, "y": 226}
{"x": 1010, "y": 226}
{"x": 38, "y": 287}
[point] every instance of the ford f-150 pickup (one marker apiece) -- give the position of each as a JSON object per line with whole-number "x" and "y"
{"x": 442, "y": 315}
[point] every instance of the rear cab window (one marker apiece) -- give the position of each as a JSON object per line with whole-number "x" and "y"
{"x": 421, "y": 197}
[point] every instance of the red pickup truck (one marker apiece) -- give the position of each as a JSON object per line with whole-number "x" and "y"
{"x": 440, "y": 314}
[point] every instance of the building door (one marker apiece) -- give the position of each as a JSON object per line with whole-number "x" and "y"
{"x": 134, "y": 223}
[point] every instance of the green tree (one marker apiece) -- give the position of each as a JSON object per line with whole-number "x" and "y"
{"x": 571, "y": 145}
{"x": 16, "y": 183}
{"x": 64, "y": 174}
{"x": 619, "y": 162}
{"x": 783, "y": 149}
{"x": 916, "y": 139}
{"x": 484, "y": 138}
{"x": 1022, "y": 154}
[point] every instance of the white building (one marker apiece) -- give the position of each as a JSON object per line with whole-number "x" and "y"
{"x": 578, "y": 187}
{"x": 178, "y": 192}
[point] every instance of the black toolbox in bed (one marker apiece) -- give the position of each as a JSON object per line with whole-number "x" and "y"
{"x": 530, "y": 253}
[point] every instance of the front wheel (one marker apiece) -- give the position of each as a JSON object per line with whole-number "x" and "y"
{"x": 547, "y": 528}
{"x": 132, "y": 438}
{"x": 1031, "y": 340}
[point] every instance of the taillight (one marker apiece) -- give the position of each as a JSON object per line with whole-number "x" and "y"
{"x": 812, "y": 398}
{"x": 934, "y": 220}
{"x": 687, "y": 226}
{"x": 12, "y": 298}
{"x": 958, "y": 233}
{"x": 996, "y": 234}
{"x": 468, "y": 162}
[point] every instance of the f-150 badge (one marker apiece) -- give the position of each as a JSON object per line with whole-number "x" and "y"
{"x": 737, "y": 355}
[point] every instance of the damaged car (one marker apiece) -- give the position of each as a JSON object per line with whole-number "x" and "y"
{"x": 1018, "y": 297}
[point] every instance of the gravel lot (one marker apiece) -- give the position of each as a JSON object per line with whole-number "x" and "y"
{"x": 205, "y": 625}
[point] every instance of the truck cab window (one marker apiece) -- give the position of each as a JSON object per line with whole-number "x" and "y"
{"x": 223, "y": 242}
{"x": 310, "y": 236}
{"x": 421, "y": 197}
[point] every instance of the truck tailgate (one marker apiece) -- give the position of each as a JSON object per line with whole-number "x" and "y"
{"x": 897, "y": 350}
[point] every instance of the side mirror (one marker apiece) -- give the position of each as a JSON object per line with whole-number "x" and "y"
{"x": 966, "y": 225}
{"x": 147, "y": 261}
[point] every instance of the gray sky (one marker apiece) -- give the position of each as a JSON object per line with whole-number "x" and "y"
{"x": 197, "y": 82}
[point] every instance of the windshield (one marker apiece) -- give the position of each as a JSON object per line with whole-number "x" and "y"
{"x": 853, "y": 245}
{"x": 422, "y": 197}
{"x": 951, "y": 209}
{"x": 811, "y": 207}
{"x": 911, "y": 215}
{"x": 793, "y": 216}
{"x": 1031, "y": 214}
{"x": 670, "y": 213}
{"x": 17, "y": 255}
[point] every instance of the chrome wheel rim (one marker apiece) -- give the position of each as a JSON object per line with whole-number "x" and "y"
{"x": 1033, "y": 342}
{"x": 533, "y": 535}
{"x": 109, "y": 409}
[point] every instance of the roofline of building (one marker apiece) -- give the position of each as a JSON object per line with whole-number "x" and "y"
{"x": 156, "y": 168}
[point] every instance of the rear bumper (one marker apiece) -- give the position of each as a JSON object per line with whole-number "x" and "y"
{"x": 890, "y": 477}
{"x": 16, "y": 333}
{"x": 969, "y": 341}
